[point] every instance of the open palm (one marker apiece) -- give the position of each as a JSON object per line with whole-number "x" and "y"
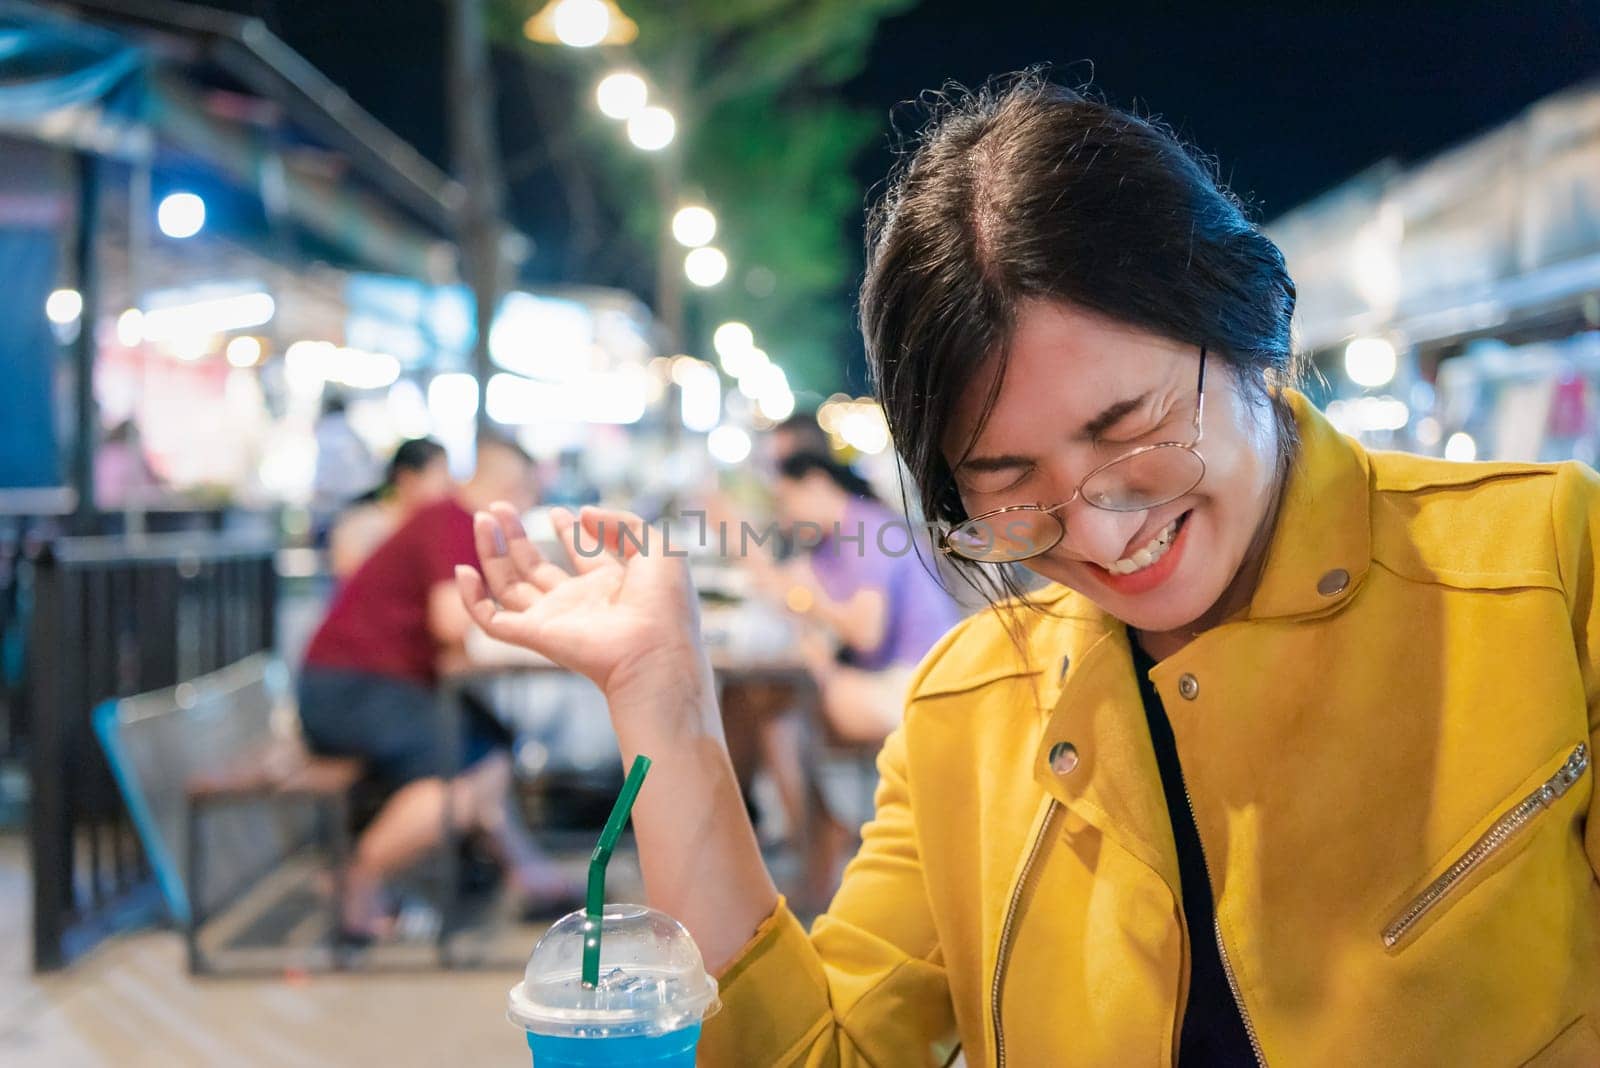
{"x": 626, "y": 619}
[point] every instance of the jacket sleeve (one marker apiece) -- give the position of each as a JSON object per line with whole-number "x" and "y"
{"x": 867, "y": 986}
{"x": 1576, "y": 508}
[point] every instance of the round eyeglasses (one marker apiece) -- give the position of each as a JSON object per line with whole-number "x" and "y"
{"x": 1140, "y": 479}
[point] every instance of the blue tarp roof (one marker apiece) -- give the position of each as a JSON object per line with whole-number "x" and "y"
{"x": 48, "y": 63}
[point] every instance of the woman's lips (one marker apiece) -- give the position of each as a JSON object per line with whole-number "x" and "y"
{"x": 1147, "y": 579}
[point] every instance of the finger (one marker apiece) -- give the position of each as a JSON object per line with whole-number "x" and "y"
{"x": 525, "y": 556}
{"x": 506, "y": 577}
{"x": 498, "y": 570}
{"x": 622, "y": 533}
{"x": 505, "y": 584}
{"x": 495, "y": 621}
{"x": 585, "y": 554}
{"x": 475, "y": 595}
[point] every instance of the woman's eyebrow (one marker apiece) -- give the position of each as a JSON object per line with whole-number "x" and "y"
{"x": 1003, "y": 462}
{"x": 1113, "y": 415}
{"x": 1108, "y": 418}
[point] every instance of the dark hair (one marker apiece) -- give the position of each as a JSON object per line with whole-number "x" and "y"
{"x": 413, "y": 455}
{"x": 804, "y": 425}
{"x": 1029, "y": 190}
{"x": 798, "y": 465}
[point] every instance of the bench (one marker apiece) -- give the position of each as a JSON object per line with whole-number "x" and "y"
{"x": 279, "y": 771}
{"x": 219, "y": 784}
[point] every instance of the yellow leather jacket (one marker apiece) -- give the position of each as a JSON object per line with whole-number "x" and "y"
{"x": 1388, "y": 761}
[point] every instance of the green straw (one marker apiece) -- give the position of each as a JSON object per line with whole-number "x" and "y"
{"x": 596, "y": 901}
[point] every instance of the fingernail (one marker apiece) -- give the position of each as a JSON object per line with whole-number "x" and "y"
{"x": 499, "y": 541}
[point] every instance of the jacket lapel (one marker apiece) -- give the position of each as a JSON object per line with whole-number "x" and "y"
{"x": 1094, "y": 706}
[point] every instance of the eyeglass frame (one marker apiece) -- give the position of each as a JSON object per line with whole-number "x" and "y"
{"x": 1190, "y": 447}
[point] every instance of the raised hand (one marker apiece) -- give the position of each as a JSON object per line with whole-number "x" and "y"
{"x": 628, "y": 619}
{"x": 625, "y": 618}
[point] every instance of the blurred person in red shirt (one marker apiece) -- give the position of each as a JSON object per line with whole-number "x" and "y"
{"x": 418, "y": 475}
{"x": 369, "y": 689}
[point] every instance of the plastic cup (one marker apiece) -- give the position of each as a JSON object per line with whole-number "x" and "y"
{"x": 646, "y": 1009}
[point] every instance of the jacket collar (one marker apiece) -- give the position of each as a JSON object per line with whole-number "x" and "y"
{"x": 1085, "y": 685}
{"x": 1324, "y": 525}
{"x": 1323, "y": 528}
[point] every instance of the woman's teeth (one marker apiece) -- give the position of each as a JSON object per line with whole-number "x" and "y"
{"x": 1148, "y": 554}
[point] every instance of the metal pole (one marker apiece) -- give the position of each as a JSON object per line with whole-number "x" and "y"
{"x": 471, "y": 104}
{"x": 50, "y": 823}
{"x": 83, "y": 346}
{"x": 669, "y": 195}
{"x": 669, "y": 254}
{"x": 670, "y": 293}
{"x": 141, "y": 207}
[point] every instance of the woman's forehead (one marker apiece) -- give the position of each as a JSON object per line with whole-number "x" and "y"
{"x": 1062, "y": 368}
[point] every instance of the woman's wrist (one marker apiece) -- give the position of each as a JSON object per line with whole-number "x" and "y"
{"x": 666, "y": 699}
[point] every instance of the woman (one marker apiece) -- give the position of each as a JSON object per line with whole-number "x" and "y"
{"x": 418, "y": 475}
{"x": 1288, "y": 763}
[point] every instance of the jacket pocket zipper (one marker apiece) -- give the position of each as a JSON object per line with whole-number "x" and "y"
{"x": 1503, "y": 831}
{"x": 1001, "y": 955}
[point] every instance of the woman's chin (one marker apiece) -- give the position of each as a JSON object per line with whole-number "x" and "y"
{"x": 1169, "y": 609}
{"x": 1159, "y": 621}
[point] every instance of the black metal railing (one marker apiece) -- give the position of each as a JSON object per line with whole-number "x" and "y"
{"x": 113, "y": 617}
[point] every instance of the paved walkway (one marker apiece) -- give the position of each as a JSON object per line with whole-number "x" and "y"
{"x": 131, "y": 1003}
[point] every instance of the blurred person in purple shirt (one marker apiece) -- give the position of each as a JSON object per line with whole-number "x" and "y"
{"x": 874, "y": 609}
{"x": 864, "y": 582}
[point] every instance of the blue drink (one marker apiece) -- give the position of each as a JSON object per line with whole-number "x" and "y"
{"x": 646, "y": 1009}
{"x": 672, "y": 1050}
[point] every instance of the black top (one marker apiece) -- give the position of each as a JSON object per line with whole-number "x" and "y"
{"x": 1213, "y": 1030}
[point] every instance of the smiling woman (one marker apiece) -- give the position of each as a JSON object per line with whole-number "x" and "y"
{"x": 1032, "y": 224}
{"x": 1288, "y": 763}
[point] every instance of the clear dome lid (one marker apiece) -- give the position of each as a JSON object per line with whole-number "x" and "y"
{"x": 652, "y": 978}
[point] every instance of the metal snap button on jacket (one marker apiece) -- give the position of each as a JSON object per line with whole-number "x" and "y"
{"x": 1333, "y": 583}
{"x": 1188, "y": 687}
{"x": 1063, "y": 758}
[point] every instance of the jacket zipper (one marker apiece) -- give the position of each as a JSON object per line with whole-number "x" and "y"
{"x": 1499, "y": 834}
{"x": 1222, "y": 948}
{"x": 1006, "y": 929}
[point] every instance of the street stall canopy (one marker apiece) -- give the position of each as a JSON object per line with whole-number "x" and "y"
{"x": 48, "y": 64}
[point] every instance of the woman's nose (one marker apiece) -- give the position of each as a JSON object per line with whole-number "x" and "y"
{"x": 1098, "y": 535}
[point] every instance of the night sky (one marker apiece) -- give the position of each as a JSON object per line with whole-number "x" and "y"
{"x": 1291, "y": 98}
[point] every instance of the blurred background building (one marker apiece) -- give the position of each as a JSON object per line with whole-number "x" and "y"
{"x": 1450, "y": 306}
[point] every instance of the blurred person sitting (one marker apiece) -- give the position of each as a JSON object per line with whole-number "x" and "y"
{"x": 873, "y": 610}
{"x": 369, "y": 689}
{"x": 863, "y": 582}
{"x": 418, "y": 475}
{"x": 743, "y": 493}
{"x": 800, "y": 433}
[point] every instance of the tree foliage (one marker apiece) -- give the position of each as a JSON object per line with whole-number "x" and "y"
{"x": 767, "y": 138}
